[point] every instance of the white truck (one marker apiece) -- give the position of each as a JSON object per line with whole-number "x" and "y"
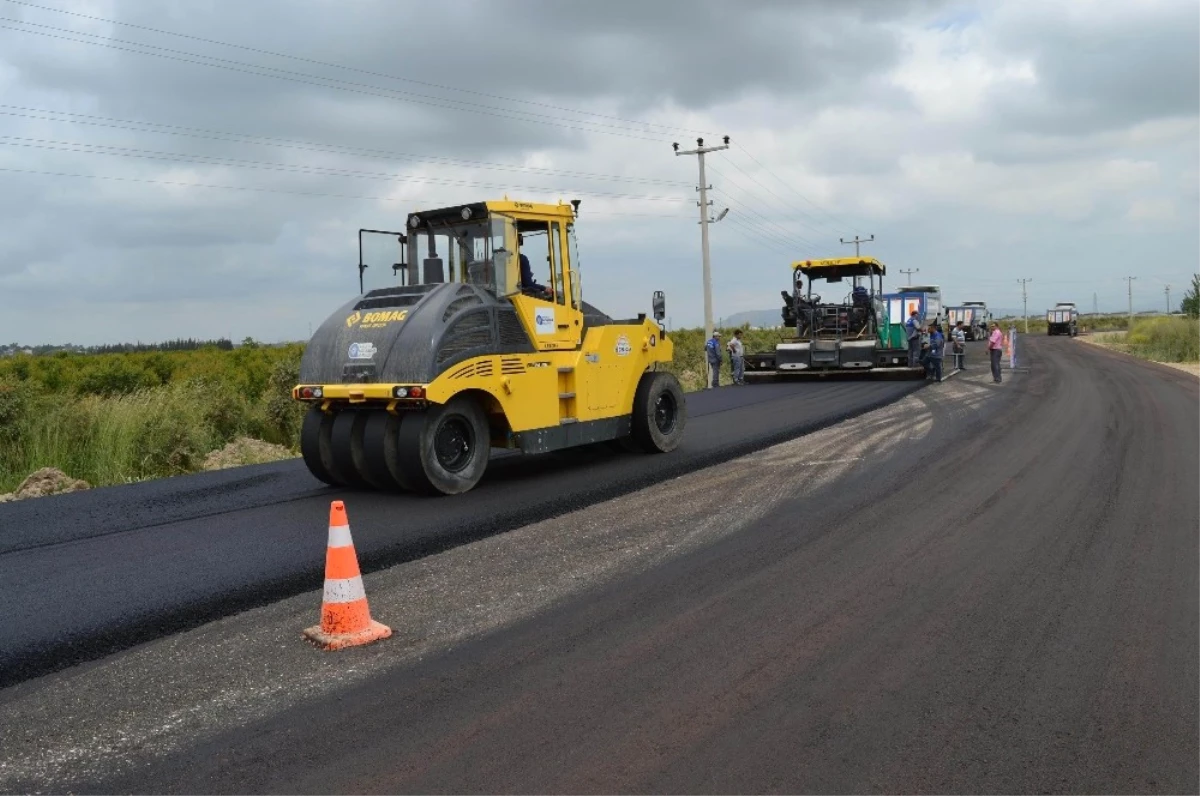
{"x": 1063, "y": 319}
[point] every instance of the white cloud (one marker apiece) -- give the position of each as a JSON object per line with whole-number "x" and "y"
{"x": 1152, "y": 210}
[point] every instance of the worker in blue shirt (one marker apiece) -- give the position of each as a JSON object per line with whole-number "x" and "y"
{"x": 712, "y": 351}
{"x": 937, "y": 347}
{"x": 913, "y": 328}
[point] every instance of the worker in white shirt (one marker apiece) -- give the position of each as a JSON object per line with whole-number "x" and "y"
{"x": 737, "y": 357}
{"x": 960, "y": 346}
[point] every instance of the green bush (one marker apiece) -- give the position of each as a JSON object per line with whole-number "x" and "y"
{"x": 114, "y": 418}
{"x": 1165, "y": 339}
{"x": 15, "y": 398}
{"x": 689, "y": 365}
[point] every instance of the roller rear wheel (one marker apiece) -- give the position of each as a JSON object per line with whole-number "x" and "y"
{"x": 381, "y": 450}
{"x": 445, "y": 449}
{"x": 316, "y": 446}
{"x": 346, "y": 441}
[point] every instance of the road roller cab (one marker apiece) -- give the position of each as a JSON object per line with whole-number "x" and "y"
{"x": 453, "y": 350}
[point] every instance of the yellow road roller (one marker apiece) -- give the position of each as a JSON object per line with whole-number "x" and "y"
{"x": 459, "y": 348}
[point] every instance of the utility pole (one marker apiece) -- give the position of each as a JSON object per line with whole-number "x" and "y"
{"x": 857, "y": 240}
{"x": 1025, "y": 302}
{"x": 1095, "y": 306}
{"x": 700, "y": 151}
{"x": 1168, "y": 299}
{"x": 909, "y": 272}
{"x": 1130, "y": 280}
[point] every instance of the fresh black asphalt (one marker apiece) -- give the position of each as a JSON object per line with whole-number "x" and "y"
{"x": 1008, "y": 605}
{"x": 92, "y": 573}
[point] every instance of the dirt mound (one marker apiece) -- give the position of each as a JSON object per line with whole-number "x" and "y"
{"x": 46, "y": 481}
{"x": 243, "y": 451}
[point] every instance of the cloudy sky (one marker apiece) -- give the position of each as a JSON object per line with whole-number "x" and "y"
{"x": 201, "y": 167}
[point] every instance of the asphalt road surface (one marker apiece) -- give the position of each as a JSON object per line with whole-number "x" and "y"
{"x": 1007, "y": 602}
{"x": 94, "y": 572}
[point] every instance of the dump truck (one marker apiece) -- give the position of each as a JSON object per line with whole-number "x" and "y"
{"x": 1063, "y": 319}
{"x": 850, "y": 334}
{"x": 974, "y": 317}
{"x": 457, "y": 350}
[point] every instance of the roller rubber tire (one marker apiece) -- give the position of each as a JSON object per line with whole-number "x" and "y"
{"x": 367, "y": 426}
{"x": 659, "y": 413}
{"x": 419, "y": 462}
{"x": 315, "y": 445}
{"x": 343, "y": 441}
{"x": 381, "y": 449}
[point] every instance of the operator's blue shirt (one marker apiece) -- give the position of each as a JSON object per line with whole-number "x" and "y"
{"x": 527, "y": 282}
{"x": 713, "y": 348}
{"x": 937, "y": 342}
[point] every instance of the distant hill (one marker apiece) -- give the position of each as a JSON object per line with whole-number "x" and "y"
{"x": 760, "y": 319}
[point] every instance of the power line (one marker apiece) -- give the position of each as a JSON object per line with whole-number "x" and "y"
{"x": 857, "y": 240}
{"x": 837, "y": 221}
{"x": 768, "y": 226}
{"x": 252, "y": 189}
{"x": 749, "y": 233}
{"x": 763, "y": 229}
{"x": 322, "y": 82}
{"x": 665, "y": 128}
{"x": 800, "y": 241}
{"x": 210, "y": 134}
{"x": 763, "y": 226}
{"x": 361, "y": 88}
{"x": 785, "y": 204}
{"x": 102, "y": 149}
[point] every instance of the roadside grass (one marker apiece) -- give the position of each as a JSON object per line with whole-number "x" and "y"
{"x": 1087, "y": 323}
{"x": 689, "y": 364}
{"x": 1163, "y": 339}
{"x": 117, "y": 418}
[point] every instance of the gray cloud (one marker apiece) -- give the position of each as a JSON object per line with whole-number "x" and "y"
{"x": 808, "y": 88}
{"x": 1103, "y": 71}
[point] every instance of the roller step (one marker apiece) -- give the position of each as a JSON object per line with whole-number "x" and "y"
{"x": 566, "y": 421}
{"x": 566, "y": 369}
{"x": 562, "y": 396}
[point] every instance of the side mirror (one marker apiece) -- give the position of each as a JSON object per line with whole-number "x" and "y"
{"x": 660, "y": 305}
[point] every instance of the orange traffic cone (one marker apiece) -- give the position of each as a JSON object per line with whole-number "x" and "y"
{"x": 345, "y": 618}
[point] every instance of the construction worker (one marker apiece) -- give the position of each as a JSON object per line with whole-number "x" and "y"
{"x": 737, "y": 357}
{"x": 937, "y": 347}
{"x": 960, "y": 346}
{"x": 995, "y": 350}
{"x": 913, "y": 327}
{"x": 712, "y": 350}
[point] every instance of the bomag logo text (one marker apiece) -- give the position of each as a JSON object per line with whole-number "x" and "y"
{"x": 376, "y": 320}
